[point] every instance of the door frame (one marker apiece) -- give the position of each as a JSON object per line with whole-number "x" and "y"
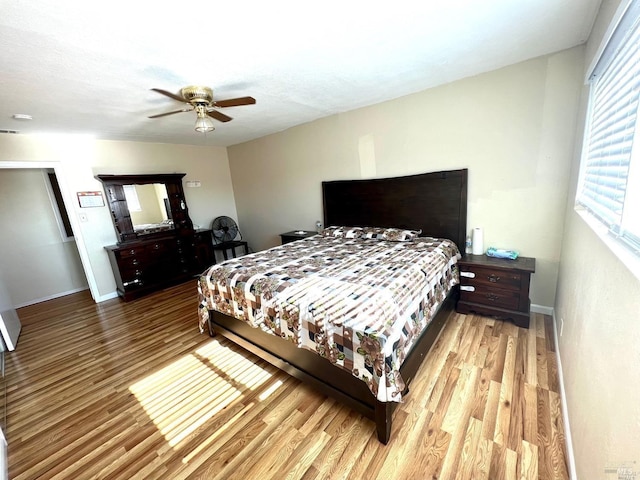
{"x": 73, "y": 218}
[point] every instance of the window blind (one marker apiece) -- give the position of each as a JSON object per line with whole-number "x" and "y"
{"x": 609, "y": 143}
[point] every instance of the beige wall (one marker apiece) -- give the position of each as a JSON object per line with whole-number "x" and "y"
{"x": 36, "y": 262}
{"x": 513, "y": 128}
{"x": 78, "y": 159}
{"x": 598, "y": 300}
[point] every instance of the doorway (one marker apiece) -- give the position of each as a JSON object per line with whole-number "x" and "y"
{"x": 73, "y": 249}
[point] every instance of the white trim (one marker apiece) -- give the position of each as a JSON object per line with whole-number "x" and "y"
{"x": 108, "y": 296}
{"x": 50, "y": 297}
{"x": 620, "y": 250}
{"x": 102, "y": 298}
{"x": 4, "y": 462}
{"x": 615, "y": 21}
{"x": 571, "y": 459}
{"x": 542, "y": 309}
{"x": 75, "y": 226}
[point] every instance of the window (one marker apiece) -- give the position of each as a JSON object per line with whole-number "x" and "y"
{"x": 609, "y": 186}
{"x": 59, "y": 210}
{"x": 131, "y": 195}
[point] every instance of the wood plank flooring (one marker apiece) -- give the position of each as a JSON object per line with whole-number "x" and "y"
{"x": 133, "y": 391}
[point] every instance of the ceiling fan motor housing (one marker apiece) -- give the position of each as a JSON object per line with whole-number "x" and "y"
{"x": 197, "y": 95}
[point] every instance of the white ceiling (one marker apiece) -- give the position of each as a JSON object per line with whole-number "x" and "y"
{"x": 79, "y": 66}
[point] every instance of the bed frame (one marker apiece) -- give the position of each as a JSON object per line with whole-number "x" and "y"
{"x": 436, "y": 203}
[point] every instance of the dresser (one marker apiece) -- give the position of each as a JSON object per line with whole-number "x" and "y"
{"x": 157, "y": 245}
{"x": 496, "y": 286}
{"x": 143, "y": 266}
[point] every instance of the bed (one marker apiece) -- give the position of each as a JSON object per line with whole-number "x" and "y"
{"x": 432, "y": 205}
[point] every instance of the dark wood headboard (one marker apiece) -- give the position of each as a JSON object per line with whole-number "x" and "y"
{"x": 435, "y": 203}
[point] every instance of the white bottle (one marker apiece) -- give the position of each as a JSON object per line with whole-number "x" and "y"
{"x": 477, "y": 247}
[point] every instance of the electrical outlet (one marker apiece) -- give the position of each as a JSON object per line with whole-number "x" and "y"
{"x": 561, "y": 325}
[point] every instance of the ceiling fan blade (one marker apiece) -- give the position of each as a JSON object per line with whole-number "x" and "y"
{"x": 235, "y": 102}
{"x": 219, "y": 116}
{"x": 170, "y": 113}
{"x": 170, "y": 95}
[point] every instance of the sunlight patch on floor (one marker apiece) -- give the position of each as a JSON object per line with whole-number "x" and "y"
{"x": 181, "y": 397}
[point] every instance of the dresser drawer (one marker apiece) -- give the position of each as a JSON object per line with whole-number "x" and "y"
{"x": 490, "y": 277}
{"x": 160, "y": 247}
{"x": 131, "y": 259}
{"x": 131, "y": 252}
{"x": 493, "y": 297}
{"x": 132, "y": 262}
{"x": 132, "y": 279}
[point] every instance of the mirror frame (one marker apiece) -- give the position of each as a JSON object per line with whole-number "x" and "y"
{"x": 114, "y": 191}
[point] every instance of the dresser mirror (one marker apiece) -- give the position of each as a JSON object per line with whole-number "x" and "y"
{"x": 149, "y": 208}
{"x": 146, "y": 205}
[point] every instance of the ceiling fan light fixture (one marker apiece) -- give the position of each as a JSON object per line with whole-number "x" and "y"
{"x": 204, "y": 124}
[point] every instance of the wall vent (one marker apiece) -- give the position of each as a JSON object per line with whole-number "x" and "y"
{"x": 2, "y": 130}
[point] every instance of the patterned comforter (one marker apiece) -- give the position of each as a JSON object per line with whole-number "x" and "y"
{"x": 360, "y": 303}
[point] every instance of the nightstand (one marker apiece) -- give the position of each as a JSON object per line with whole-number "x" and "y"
{"x": 296, "y": 235}
{"x": 496, "y": 286}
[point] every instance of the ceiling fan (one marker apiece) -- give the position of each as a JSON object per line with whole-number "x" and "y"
{"x": 200, "y": 100}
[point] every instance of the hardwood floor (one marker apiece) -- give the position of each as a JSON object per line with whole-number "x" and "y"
{"x": 123, "y": 391}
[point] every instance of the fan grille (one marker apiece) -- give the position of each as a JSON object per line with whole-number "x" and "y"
{"x": 224, "y": 229}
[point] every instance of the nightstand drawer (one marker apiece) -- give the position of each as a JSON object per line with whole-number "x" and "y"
{"x": 490, "y": 277}
{"x": 494, "y": 297}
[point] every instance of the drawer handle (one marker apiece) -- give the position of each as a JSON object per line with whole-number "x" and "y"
{"x": 492, "y": 297}
{"x": 132, "y": 252}
{"x": 493, "y": 278}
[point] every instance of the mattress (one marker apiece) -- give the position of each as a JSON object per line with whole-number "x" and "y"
{"x": 358, "y": 302}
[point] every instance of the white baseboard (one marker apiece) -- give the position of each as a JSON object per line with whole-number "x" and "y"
{"x": 108, "y": 296}
{"x": 542, "y": 309}
{"x": 571, "y": 460}
{"x": 50, "y": 297}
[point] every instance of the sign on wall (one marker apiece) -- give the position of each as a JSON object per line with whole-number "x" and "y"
{"x": 90, "y": 199}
